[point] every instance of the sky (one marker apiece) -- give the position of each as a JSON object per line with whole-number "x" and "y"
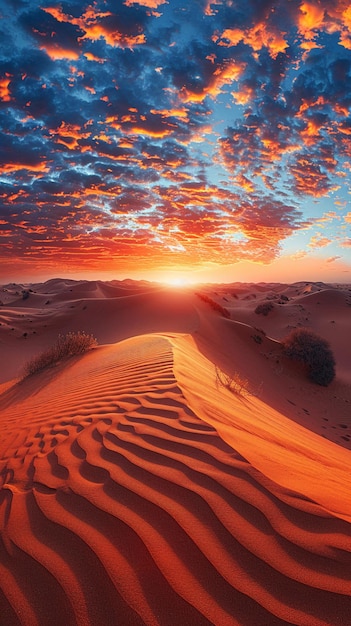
{"x": 175, "y": 140}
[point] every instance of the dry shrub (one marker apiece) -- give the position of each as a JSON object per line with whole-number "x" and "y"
{"x": 314, "y": 352}
{"x": 264, "y": 308}
{"x": 235, "y": 383}
{"x": 65, "y": 346}
{"x": 257, "y": 338}
{"x": 214, "y": 305}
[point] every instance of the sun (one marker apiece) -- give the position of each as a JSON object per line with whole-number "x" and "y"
{"x": 177, "y": 278}
{"x": 176, "y": 281}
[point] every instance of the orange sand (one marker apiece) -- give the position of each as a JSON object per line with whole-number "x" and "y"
{"x": 135, "y": 489}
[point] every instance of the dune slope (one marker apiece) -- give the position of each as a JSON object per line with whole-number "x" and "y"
{"x": 121, "y": 504}
{"x": 109, "y": 312}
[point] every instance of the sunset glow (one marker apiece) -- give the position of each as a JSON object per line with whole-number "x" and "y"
{"x": 141, "y": 136}
{"x": 177, "y": 281}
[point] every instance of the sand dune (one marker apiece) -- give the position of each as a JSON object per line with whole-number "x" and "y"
{"x": 30, "y": 326}
{"x": 135, "y": 489}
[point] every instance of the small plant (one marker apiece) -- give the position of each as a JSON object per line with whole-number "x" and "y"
{"x": 65, "y": 346}
{"x": 257, "y": 338}
{"x": 264, "y": 308}
{"x": 314, "y": 352}
{"x": 214, "y": 305}
{"x": 235, "y": 383}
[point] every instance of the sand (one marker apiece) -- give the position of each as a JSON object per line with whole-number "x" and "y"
{"x": 137, "y": 489}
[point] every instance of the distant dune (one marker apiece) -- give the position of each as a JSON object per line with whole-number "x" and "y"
{"x": 136, "y": 489}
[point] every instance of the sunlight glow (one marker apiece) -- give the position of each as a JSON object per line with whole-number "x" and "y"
{"x": 177, "y": 281}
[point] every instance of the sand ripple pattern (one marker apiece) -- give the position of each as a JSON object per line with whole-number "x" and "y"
{"x": 119, "y": 506}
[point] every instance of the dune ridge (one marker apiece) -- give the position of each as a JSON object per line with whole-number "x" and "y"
{"x": 281, "y": 448}
{"x": 119, "y": 498}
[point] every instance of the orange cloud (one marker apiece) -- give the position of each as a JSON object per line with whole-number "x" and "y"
{"x": 273, "y": 149}
{"x": 92, "y": 57}
{"x": 346, "y": 243}
{"x": 96, "y": 191}
{"x": 113, "y": 38}
{"x": 244, "y": 95}
{"x": 261, "y": 36}
{"x": 224, "y": 74}
{"x": 69, "y": 135}
{"x": 308, "y": 104}
{"x": 334, "y": 18}
{"x": 317, "y": 241}
{"x": 208, "y": 8}
{"x": 347, "y": 18}
{"x": 308, "y": 46}
{"x": 344, "y": 129}
{"x": 156, "y": 133}
{"x": 16, "y": 167}
{"x": 340, "y": 15}
{"x": 90, "y": 15}
{"x": 257, "y": 37}
{"x": 181, "y": 113}
{"x": 309, "y": 178}
{"x": 56, "y": 53}
{"x": 14, "y": 196}
{"x": 5, "y": 94}
{"x": 345, "y": 41}
{"x": 233, "y": 35}
{"x": 310, "y": 19}
{"x": 94, "y": 25}
{"x": 311, "y": 133}
{"x": 150, "y": 4}
{"x": 244, "y": 183}
{"x": 58, "y": 14}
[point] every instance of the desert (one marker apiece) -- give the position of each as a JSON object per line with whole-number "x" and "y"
{"x": 175, "y": 300}
{"x": 181, "y": 471}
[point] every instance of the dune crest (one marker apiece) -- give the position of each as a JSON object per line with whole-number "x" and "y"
{"x": 283, "y": 450}
{"x": 119, "y": 498}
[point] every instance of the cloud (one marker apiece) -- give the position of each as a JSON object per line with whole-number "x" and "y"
{"x": 211, "y": 85}
{"x": 117, "y": 28}
{"x": 151, "y": 4}
{"x": 310, "y": 19}
{"x": 258, "y": 37}
{"x": 318, "y": 241}
{"x": 346, "y": 243}
{"x": 309, "y": 176}
{"x": 189, "y": 131}
{"x": 333, "y": 258}
{"x": 5, "y": 94}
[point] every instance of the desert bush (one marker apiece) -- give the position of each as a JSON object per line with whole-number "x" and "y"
{"x": 236, "y": 383}
{"x": 257, "y": 338}
{"x": 65, "y": 346}
{"x": 314, "y": 352}
{"x": 264, "y": 308}
{"x": 214, "y": 305}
